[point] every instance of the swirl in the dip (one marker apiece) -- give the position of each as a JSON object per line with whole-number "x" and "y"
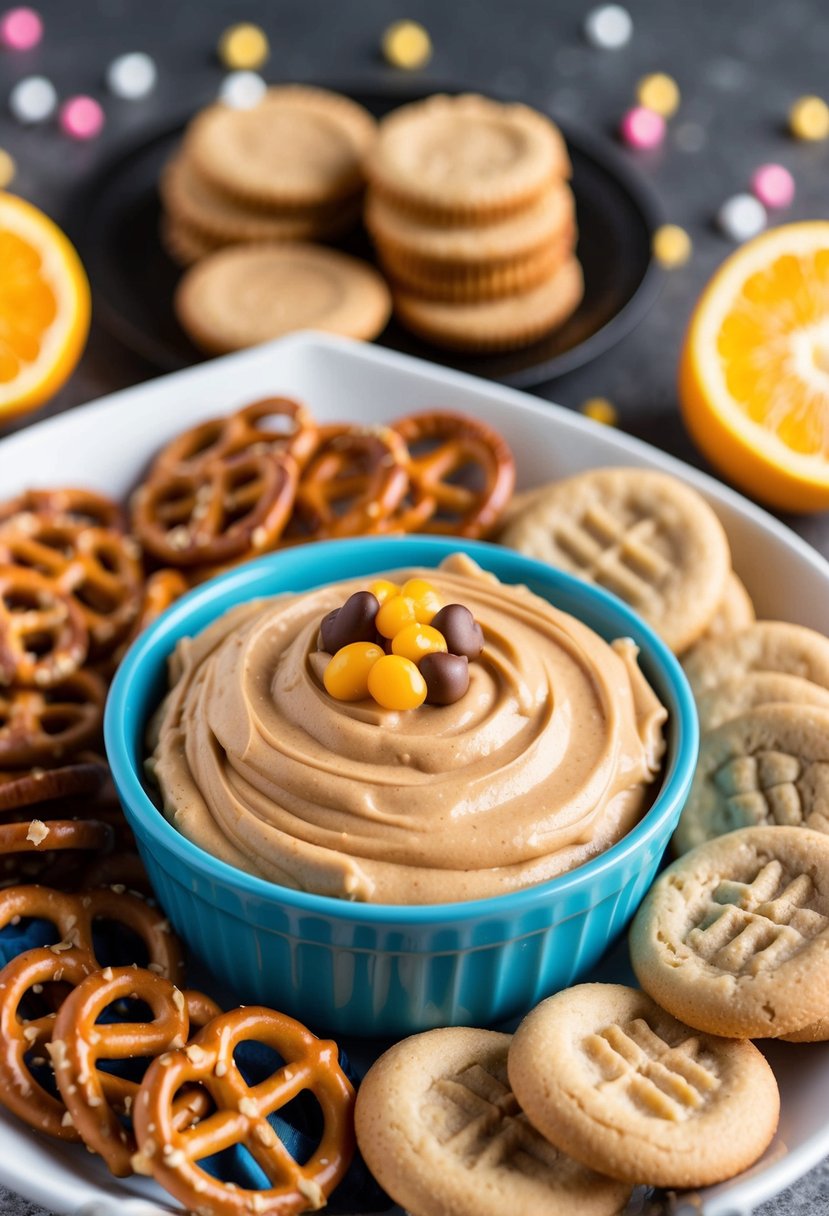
{"x": 542, "y": 764}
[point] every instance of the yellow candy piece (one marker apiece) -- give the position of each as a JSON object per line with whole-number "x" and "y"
{"x": 395, "y": 683}
{"x": 244, "y": 47}
{"x": 427, "y": 602}
{"x": 406, "y": 44}
{"x": 660, "y": 93}
{"x": 7, "y": 169}
{"x": 415, "y": 641}
{"x": 383, "y": 590}
{"x": 809, "y": 118}
{"x": 397, "y": 612}
{"x": 671, "y": 246}
{"x": 346, "y": 676}
{"x": 600, "y": 410}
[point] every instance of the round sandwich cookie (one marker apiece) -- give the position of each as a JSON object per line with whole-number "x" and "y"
{"x": 506, "y": 323}
{"x": 224, "y": 219}
{"x": 769, "y": 766}
{"x": 247, "y": 294}
{"x": 299, "y": 146}
{"x": 778, "y": 646}
{"x": 734, "y": 936}
{"x": 612, "y": 1079}
{"x": 184, "y": 244}
{"x": 473, "y": 284}
{"x": 466, "y": 158}
{"x": 441, "y": 1130}
{"x": 429, "y": 247}
{"x": 643, "y": 535}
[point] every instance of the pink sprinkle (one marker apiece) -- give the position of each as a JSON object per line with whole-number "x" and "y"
{"x": 20, "y": 29}
{"x": 773, "y": 186}
{"x": 642, "y": 128}
{"x": 81, "y": 118}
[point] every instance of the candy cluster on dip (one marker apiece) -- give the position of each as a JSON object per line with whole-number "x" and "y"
{"x": 399, "y": 645}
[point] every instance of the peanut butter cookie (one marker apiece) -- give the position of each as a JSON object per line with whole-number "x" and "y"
{"x": 466, "y": 158}
{"x": 735, "y": 612}
{"x": 429, "y": 247}
{"x": 442, "y": 1132}
{"x": 734, "y": 937}
{"x": 612, "y": 1079}
{"x": 793, "y": 650}
{"x": 300, "y": 146}
{"x": 222, "y": 219}
{"x": 770, "y": 766}
{"x": 247, "y": 294}
{"x": 643, "y": 535}
{"x": 506, "y": 323}
{"x": 743, "y": 693}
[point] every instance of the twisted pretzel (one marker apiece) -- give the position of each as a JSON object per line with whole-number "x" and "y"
{"x": 241, "y": 1116}
{"x": 117, "y": 870}
{"x": 20, "y": 1037}
{"x": 45, "y": 725}
{"x": 222, "y": 510}
{"x": 73, "y": 916}
{"x": 48, "y": 784}
{"x": 43, "y": 635}
{"x": 98, "y": 567}
{"x": 94, "y": 1097}
{"x": 461, "y": 474}
{"x": 353, "y": 482}
{"x": 35, "y": 836}
{"x": 161, "y": 590}
{"x": 84, "y": 507}
{"x": 220, "y": 438}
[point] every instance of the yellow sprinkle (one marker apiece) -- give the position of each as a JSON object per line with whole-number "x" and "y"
{"x": 600, "y": 410}
{"x": 671, "y": 246}
{"x": 809, "y": 118}
{"x": 7, "y": 169}
{"x": 244, "y": 47}
{"x": 406, "y": 44}
{"x": 660, "y": 93}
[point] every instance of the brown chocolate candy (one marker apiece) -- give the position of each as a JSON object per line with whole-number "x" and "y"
{"x": 462, "y": 633}
{"x": 446, "y": 676}
{"x": 354, "y": 622}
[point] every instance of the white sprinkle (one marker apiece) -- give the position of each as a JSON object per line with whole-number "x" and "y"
{"x": 242, "y": 90}
{"x": 33, "y": 99}
{"x": 741, "y": 217}
{"x": 608, "y": 27}
{"x": 132, "y": 76}
{"x": 248, "y": 1107}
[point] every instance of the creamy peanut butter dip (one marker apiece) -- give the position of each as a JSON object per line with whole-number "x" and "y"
{"x": 545, "y": 762}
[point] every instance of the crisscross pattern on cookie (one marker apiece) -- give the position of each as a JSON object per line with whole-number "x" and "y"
{"x": 766, "y": 788}
{"x": 752, "y": 927}
{"x": 663, "y": 1079}
{"x": 622, "y": 557}
{"x": 476, "y": 1114}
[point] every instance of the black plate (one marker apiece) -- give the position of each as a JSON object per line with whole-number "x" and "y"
{"x": 114, "y": 223}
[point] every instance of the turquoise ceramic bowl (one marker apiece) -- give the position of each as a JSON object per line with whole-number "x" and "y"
{"x": 375, "y": 969}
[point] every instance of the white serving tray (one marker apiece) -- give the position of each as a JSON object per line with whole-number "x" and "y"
{"x": 106, "y": 446}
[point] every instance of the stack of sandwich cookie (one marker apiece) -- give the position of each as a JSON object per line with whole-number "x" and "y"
{"x": 473, "y": 220}
{"x": 287, "y": 169}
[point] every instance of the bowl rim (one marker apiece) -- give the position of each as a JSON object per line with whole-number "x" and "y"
{"x": 165, "y": 631}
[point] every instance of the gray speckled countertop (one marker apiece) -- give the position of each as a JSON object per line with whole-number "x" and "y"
{"x": 739, "y": 64}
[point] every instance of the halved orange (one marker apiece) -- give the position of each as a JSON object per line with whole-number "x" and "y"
{"x": 44, "y": 307}
{"x": 754, "y": 371}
